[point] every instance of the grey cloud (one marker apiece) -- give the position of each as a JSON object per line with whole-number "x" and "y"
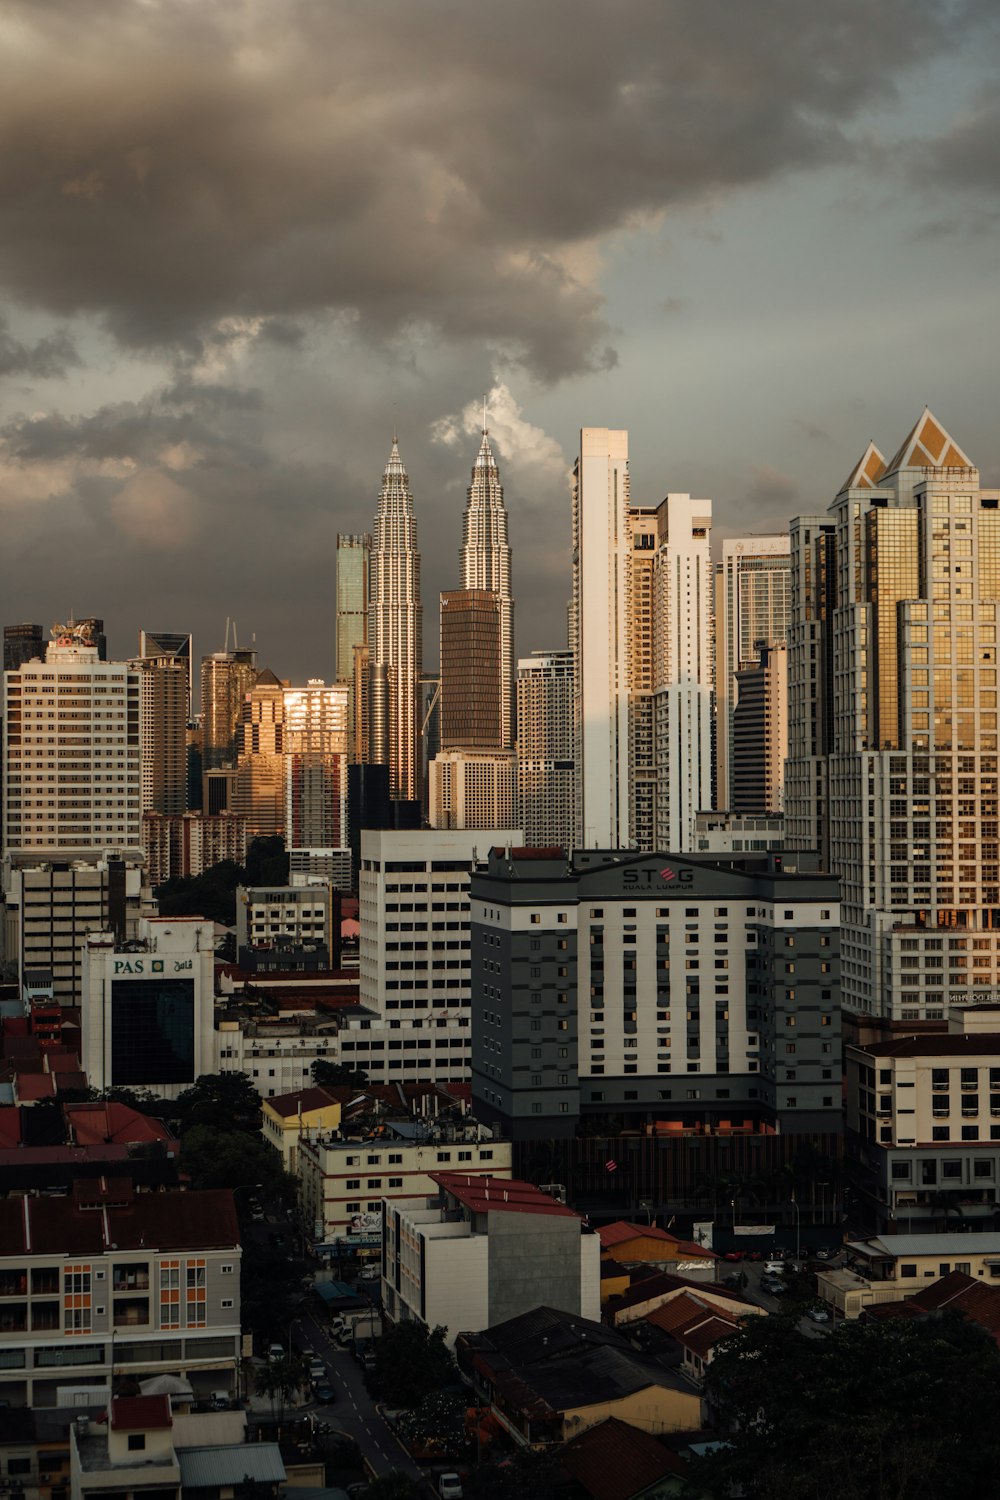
{"x": 444, "y": 166}
{"x": 52, "y": 355}
{"x": 967, "y": 157}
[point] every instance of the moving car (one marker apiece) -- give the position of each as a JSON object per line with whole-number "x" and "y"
{"x": 817, "y": 1315}
{"x": 317, "y": 1369}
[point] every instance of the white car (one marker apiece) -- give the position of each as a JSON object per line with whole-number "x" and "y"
{"x": 450, "y": 1487}
{"x": 774, "y": 1268}
{"x": 817, "y": 1315}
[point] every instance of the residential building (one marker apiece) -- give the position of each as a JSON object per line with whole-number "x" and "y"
{"x": 348, "y": 1186}
{"x": 226, "y": 678}
{"x": 283, "y": 917}
{"x": 485, "y": 568}
{"x": 892, "y": 1267}
{"x": 602, "y": 541}
{"x": 813, "y": 543}
{"x": 259, "y": 789}
{"x": 22, "y": 643}
{"x": 289, "y": 1119}
{"x": 315, "y": 745}
{"x": 549, "y": 1376}
{"x": 912, "y": 767}
{"x": 752, "y": 604}
{"x": 71, "y": 754}
{"x": 112, "y": 1281}
{"x": 413, "y": 907}
{"x": 472, "y": 789}
{"x": 731, "y": 833}
{"x": 52, "y": 906}
{"x": 657, "y": 987}
{"x": 923, "y": 1127}
{"x": 277, "y": 1053}
{"x": 545, "y": 767}
{"x": 190, "y": 844}
{"x": 164, "y": 695}
{"x": 479, "y": 1250}
{"x": 759, "y": 744}
{"x": 167, "y": 646}
{"x": 352, "y": 617}
{"x": 147, "y": 1006}
{"x": 395, "y": 632}
{"x": 613, "y": 1461}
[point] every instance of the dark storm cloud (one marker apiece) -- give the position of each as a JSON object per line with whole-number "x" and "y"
{"x": 49, "y": 356}
{"x": 446, "y": 165}
{"x": 967, "y": 157}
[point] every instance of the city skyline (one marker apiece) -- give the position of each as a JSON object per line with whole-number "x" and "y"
{"x": 193, "y": 403}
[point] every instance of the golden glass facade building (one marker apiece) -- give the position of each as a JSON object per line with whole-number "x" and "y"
{"x": 911, "y": 796}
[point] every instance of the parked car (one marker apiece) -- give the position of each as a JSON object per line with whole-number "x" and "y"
{"x": 817, "y": 1315}
{"x": 825, "y": 1254}
{"x": 450, "y": 1487}
{"x": 774, "y": 1287}
{"x": 275, "y": 1351}
{"x": 733, "y": 1255}
{"x": 774, "y": 1268}
{"x": 732, "y": 1280}
{"x": 317, "y": 1369}
{"x": 324, "y": 1393}
{"x": 755, "y": 1255}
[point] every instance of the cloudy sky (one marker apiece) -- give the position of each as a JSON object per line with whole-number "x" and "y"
{"x": 241, "y": 240}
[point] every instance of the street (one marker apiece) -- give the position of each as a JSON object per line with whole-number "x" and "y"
{"x": 754, "y": 1271}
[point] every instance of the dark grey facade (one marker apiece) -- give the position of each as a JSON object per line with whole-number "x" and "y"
{"x": 658, "y": 987}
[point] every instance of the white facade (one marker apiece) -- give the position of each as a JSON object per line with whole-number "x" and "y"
{"x": 485, "y": 564}
{"x": 545, "y": 775}
{"x": 314, "y": 741}
{"x": 295, "y": 914}
{"x": 148, "y": 1008}
{"x": 725, "y": 833}
{"x": 752, "y": 600}
{"x": 277, "y": 1056}
{"x": 600, "y": 618}
{"x": 472, "y": 789}
{"x": 71, "y": 751}
{"x": 395, "y": 623}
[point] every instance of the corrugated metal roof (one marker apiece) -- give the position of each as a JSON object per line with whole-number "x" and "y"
{"x": 230, "y": 1464}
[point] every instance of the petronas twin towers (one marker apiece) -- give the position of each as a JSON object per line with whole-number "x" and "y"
{"x": 477, "y": 689}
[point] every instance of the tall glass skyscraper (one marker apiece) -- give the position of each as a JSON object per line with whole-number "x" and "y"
{"x": 485, "y": 565}
{"x": 752, "y": 590}
{"x": 395, "y": 628}
{"x": 352, "y": 614}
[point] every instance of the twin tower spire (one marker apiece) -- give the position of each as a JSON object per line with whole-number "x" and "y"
{"x": 395, "y": 618}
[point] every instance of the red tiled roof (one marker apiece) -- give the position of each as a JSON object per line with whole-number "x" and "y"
{"x": 662, "y": 1284}
{"x": 111, "y": 1122}
{"x": 152, "y": 1221}
{"x": 619, "y": 1232}
{"x": 975, "y": 1044}
{"x": 614, "y": 1461}
{"x": 140, "y": 1413}
{"x": 492, "y": 1194}
{"x": 10, "y": 1126}
{"x": 32, "y": 1086}
{"x": 305, "y": 1100}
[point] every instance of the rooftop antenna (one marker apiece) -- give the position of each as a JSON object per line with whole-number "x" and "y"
{"x": 226, "y": 646}
{"x": 236, "y": 639}
{"x": 485, "y": 428}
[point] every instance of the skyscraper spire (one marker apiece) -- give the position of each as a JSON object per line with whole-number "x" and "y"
{"x": 485, "y": 564}
{"x": 395, "y": 620}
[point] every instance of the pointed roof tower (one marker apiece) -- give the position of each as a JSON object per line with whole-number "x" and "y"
{"x": 866, "y": 472}
{"x": 394, "y": 464}
{"x": 928, "y": 446}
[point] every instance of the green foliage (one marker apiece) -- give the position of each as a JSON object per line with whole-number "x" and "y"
{"x": 895, "y": 1409}
{"x": 411, "y": 1361}
{"x": 230, "y": 1158}
{"x": 212, "y": 894}
{"x": 222, "y": 1101}
{"x": 267, "y": 862}
{"x": 279, "y": 1379}
{"x": 270, "y": 1292}
{"x": 328, "y": 1074}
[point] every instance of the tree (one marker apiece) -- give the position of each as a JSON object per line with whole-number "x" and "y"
{"x": 223, "y": 1101}
{"x": 410, "y": 1362}
{"x": 394, "y": 1485}
{"x": 267, "y": 862}
{"x": 279, "y": 1379}
{"x": 233, "y": 1159}
{"x": 328, "y": 1074}
{"x": 518, "y": 1475}
{"x": 893, "y": 1409}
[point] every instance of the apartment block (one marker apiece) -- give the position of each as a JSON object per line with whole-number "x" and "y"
{"x": 545, "y": 767}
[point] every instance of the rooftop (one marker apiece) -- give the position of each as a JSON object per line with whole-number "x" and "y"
{"x": 943, "y": 1044}
{"x": 140, "y": 1413}
{"x": 896, "y": 1246}
{"x": 485, "y": 1195}
{"x": 150, "y": 1221}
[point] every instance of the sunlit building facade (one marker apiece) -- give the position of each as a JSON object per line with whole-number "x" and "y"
{"x": 395, "y": 633}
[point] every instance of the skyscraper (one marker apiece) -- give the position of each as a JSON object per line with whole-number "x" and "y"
{"x": 315, "y": 750}
{"x": 752, "y": 594}
{"x": 395, "y": 627}
{"x": 545, "y": 748}
{"x": 163, "y": 716}
{"x": 471, "y": 707}
{"x": 226, "y": 677}
{"x": 352, "y": 611}
{"x": 760, "y": 732}
{"x": 810, "y": 684}
{"x": 913, "y": 751}
{"x": 602, "y": 540}
{"x": 71, "y": 753}
{"x": 485, "y": 566}
{"x": 170, "y": 646}
{"x": 259, "y": 790}
{"x": 22, "y": 643}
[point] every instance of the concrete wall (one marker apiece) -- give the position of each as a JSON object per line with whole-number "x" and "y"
{"x": 534, "y": 1261}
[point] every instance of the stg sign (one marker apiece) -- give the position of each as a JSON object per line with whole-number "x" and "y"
{"x": 651, "y": 879}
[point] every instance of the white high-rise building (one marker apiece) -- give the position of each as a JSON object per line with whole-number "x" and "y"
{"x": 752, "y": 595}
{"x": 602, "y": 540}
{"x": 485, "y": 564}
{"x": 472, "y": 789}
{"x": 545, "y": 748}
{"x": 71, "y": 753}
{"x": 908, "y": 709}
{"x": 395, "y": 630}
{"x": 315, "y": 753}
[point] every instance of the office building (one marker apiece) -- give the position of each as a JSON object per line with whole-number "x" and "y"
{"x": 164, "y": 689}
{"x": 485, "y": 568}
{"x": 475, "y": 1250}
{"x": 752, "y": 602}
{"x": 170, "y": 646}
{"x": 352, "y": 616}
{"x": 759, "y": 743}
{"x": 923, "y": 1128}
{"x": 545, "y": 773}
{"x": 147, "y": 1006}
{"x": 315, "y": 745}
{"x": 395, "y": 632}
{"x": 809, "y": 666}
{"x": 471, "y": 708}
{"x": 430, "y": 729}
{"x": 657, "y": 987}
{"x": 22, "y": 643}
{"x": 912, "y": 766}
{"x": 71, "y": 754}
{"x": 277, "y": 916}
{"x": 226, "y": 678}
{"x": 109, "y": 1282}
{"x": 602, "y": 540}
{"x": 472, "y": 789}
{"x": 259, "y": 787}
